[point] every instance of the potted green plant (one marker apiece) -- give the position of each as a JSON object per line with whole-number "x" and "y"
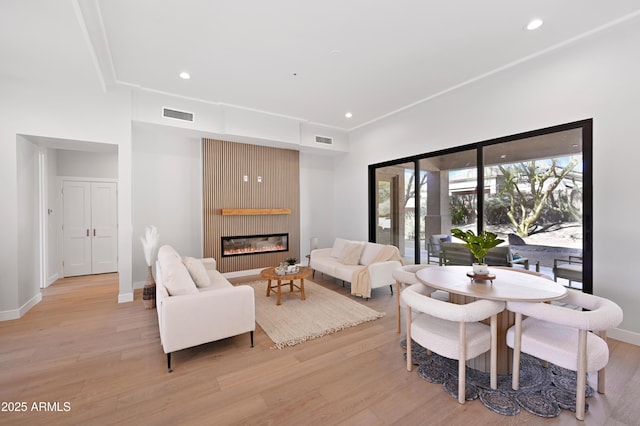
{"x": 291, "y": 261}
{"x": 479, "y": 245}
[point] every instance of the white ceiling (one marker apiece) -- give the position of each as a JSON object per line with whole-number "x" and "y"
{"x": 370, "y": 57}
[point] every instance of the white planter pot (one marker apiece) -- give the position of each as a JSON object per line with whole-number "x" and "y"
{"x": 480, "y": 268}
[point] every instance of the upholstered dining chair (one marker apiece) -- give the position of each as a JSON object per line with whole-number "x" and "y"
{"x": 453, "y": 331}
{"x": 563, "y": 336}
{"x": 406, "y": 276}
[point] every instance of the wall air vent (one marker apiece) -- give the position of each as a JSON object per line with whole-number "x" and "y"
{"x": 177, "y": 115}
{"x": 323, "y": 139}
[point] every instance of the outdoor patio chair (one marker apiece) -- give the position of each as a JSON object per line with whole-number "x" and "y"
{"x": 569, "y": 269}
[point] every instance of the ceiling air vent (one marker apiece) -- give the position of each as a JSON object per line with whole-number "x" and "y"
{"x": 177, "y": 115}
{"x": 323, "y": 139}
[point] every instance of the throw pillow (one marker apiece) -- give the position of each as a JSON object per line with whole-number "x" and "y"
{"x": 176, "y": 279}
{"x": 338, "y": 247}
{"x": 197, "y": 271}
{"x": 370, "y": 253}
{"x": 351, "y": 253}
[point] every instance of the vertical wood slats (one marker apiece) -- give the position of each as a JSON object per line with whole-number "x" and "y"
{"x": 224, "y": 166}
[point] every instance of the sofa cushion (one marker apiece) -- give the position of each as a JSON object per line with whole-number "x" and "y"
{"x": 351, "y": 253}
{"x": 176, "y": 278}
{"x": 370, "y": 252}
{"x": 338, "y": 247}
{"x": 197, "y": 271}
{"x": 167, "y": 252}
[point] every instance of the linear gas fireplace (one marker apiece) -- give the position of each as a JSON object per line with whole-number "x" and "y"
{"x": 254, "y": 244}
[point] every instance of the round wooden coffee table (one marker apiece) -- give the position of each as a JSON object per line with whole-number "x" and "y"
{"x": 270, "y": 275}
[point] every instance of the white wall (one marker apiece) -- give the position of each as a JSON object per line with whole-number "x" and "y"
{"x": 73, "y": 112}
{"x": 54, "y": 219}
{"x": 317, "y": 187}
{"x": 167, "y": 192}
{"x": 28, "y": 222}
{"x": 595, "y": 78}
{"x": 87, "y": 164}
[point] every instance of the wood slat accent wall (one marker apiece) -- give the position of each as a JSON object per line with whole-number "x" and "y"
{"x": 224, "y": 166}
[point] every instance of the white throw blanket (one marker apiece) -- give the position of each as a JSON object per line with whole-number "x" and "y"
{"x": 360, "y": 280}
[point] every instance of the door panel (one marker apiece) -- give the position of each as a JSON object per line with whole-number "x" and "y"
{"x": 77, "y": 223}
{"x": 105, "y": 227}
{"x": 90, "y": 228}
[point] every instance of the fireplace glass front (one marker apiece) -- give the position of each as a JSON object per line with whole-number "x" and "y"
{"x": 254, "y": 244}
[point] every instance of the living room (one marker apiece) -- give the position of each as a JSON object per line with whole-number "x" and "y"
{"x": 159, "y": 161}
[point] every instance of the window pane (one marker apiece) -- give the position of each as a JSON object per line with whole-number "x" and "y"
{"x": 533, "y": 198}
{"x": 449, "y": 199}
{"x": 395, "y": 213}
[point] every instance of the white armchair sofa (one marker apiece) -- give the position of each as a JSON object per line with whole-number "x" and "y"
{"x": 196, "y": 304}
{"x": 359, "y": 263}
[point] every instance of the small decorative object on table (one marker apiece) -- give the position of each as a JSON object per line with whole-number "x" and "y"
{"x": 479, "y": 245}
{"x": 149, "y": 245}
{"x": 292, "y": 268}
{"x": 481, "y": 277}
{"x": 281, "y": 269}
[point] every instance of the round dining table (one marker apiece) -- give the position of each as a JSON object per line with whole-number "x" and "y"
{"x": 506, "y": 284}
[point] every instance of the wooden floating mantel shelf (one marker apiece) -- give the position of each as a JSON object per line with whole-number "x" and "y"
{"x": 254, "y": 212}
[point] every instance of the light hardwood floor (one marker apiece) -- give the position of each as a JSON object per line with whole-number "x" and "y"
{"x": 78, "y": 346}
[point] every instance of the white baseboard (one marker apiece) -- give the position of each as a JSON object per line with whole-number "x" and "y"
{"x": 18, "y": 313}
{"x": 125, "y": 297}
{"x": 138, "y": 284}
{"x": 624, "y": 336}
{"x": 52, "y": 279}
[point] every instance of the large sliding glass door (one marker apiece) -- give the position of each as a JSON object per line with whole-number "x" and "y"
{"x": 395, "y": 207}
{"x": 535, "y": 199}
{"x": 532, "y": 189}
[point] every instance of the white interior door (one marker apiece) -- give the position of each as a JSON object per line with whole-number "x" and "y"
{"x": 76, "y": 198}
{"x": 90, "y": 228}
{"x": 104, "y": 241}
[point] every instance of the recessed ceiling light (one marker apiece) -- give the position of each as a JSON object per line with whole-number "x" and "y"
{"x": 348, "y": 115}
{"x": 534, "y": 24}
{"x": 185, "y": 75}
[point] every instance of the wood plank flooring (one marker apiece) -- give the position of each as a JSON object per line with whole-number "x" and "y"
{"x": 104, "y": 360}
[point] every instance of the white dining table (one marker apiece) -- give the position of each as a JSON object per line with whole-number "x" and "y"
{"x": 508, "y": 285}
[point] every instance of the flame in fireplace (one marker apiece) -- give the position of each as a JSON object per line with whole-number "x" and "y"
{"x": 245, "y": 250}
{"x": 251, "y": 244}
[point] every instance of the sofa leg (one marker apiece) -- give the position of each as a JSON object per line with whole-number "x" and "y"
{"x": 391, "y": 287}
{"x": 169, "y": 369}
{"x": 251, "y": 334}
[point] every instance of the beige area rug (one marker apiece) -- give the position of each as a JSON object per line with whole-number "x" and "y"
{"x": 296, "y": 321}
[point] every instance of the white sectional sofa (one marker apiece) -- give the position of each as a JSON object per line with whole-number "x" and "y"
{"x": 351, "y": 261}
{"x": 197, "y": 304}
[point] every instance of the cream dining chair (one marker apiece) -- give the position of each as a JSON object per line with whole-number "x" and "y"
{"x": 452, "y": 330}
{"x": 406, "y": 276}
{"x": 563, "y": 336}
